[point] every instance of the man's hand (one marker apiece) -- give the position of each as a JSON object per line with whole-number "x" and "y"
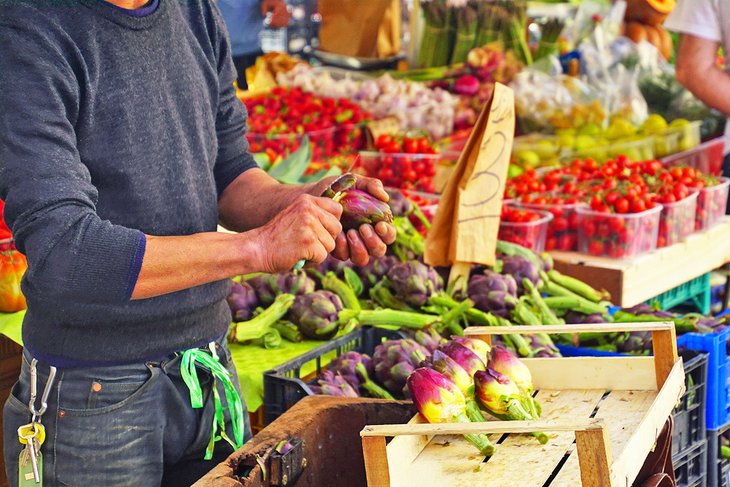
{"x": 279, "y": 13}
{"x": 359, "y": 245}
{"x": 306, "y": 229}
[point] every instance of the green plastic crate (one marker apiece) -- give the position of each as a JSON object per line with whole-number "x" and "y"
{"x": 697, "y": 291}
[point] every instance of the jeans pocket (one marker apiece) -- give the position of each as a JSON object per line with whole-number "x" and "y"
{"x": 15, "y": 414}
{"x": 98, "y": 396}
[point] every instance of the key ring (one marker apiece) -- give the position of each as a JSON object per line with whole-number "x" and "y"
{"x": 37, "y": 413}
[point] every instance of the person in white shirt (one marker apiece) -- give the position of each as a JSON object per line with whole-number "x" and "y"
{"x": 704, "y": 26}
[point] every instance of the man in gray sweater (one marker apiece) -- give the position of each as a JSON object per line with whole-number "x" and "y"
{"x": 121, "y": 148}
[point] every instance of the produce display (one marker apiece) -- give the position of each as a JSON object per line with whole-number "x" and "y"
{"x": 13, "y": 265}
{"x": 281, "y": 119}
{"x": 414, "y": 105}
{"x": 621, "y": 208}
{"x": 525, "y": 227}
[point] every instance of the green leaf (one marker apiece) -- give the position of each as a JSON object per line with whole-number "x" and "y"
{"x": 324, "y": 173}
{"x": 354, "y": 281}
{"x": 292, "y": 168}
{"x": 262, "y": 160}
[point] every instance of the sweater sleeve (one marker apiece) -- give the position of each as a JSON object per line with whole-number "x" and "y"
{"x": 50, "y": 201}
{"x": 234, "y": 157}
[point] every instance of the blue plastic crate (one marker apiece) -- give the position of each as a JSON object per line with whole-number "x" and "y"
{"x": 568, "y": 351}
{"x": 697, "y": 291}
{"x": 718, "y": 389}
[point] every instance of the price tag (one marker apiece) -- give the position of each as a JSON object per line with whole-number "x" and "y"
{"x": 466, "y": 225}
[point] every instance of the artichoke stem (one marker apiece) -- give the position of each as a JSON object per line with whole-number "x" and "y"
{"x": 257, "y": 326}
{"x": 332, "y": 283}
{"x": 481, "y": 441}
{"x": 371, "y": 387}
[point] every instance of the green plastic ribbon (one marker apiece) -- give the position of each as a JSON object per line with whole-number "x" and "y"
{"x": 209, "y": 361}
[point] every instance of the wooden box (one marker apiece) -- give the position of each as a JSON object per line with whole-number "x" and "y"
{"x": 602, "y": 416}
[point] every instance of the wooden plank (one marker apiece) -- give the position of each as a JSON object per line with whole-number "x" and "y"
{"x": 537, "y": 462}
{"x": 376, "y": 461}
{"x": 604, "y": 373}
{"x": 622, "y": 412}
{"x": 633, "y": 281}
{"x": 403, "y": 450}
{"x": 664, "y": 343}
{"x": 643, "y": 437}
{"x": 594, "y": 456}
{"x": 554, "y": 329}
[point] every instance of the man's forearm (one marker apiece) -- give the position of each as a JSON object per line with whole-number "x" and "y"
{"x": 174, "y": 263}
{"x": 698, "y": 72}
{"x": 254, "y": 198}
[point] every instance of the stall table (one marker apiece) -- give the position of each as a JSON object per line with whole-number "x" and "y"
{"x": 634, "y": 281}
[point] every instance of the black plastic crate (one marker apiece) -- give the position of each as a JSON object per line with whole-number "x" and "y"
{"x": 284, "y": 385}
{"x": 718, "y": 468}
{"x": 689, "y": 415}
{"x": 690, "y": 469}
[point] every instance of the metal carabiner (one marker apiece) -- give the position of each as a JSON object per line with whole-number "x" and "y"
{"x": 37, "y": 413}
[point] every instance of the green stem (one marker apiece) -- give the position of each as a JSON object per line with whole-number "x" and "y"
{"x": 371, "y": 387}
{"x": 574, "y": 303}
{"x": 480, "y": 440}
{"x": 332, "y": 283}
{"x": 577, "y": 286}
{"x": 403, "y": 319}
{"x": 547, "y": 315}
{"x": 509, "y": 248}
{"x": 383, "y": 296}
{"x": 257, "y": 326}
{"x": 288, "y": 331}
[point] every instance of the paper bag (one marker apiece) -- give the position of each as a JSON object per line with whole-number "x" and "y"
{"x": 352, "y": 27}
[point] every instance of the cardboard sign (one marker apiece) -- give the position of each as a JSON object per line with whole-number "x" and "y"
{"x": 466, "y": 225}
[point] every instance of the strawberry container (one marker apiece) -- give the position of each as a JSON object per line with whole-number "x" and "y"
{"x": 562, "y": 230}
{"x": 677, "y": 221}
{"x": 617, "y": 235}
{"x": 528, "y": 234}
{"x": 711, "y": 205}
{"x": 400, "y": 170}
{"x": 322, "y": 142}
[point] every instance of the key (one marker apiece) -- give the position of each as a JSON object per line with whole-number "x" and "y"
{"x": 26, "y": 474}
{"x": 32, "y": 435}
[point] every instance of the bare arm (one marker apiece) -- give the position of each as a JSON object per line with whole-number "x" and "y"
{"x": 697, "y": 71}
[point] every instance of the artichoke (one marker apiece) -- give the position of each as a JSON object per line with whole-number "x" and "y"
{"x": 346, "y": 366}
{"x": 376, "y": 269}
{"x": 520, "y": 268}
{"x": 333, "y": 384}
{"x": 243, "y": 301}
{"x": 493, "y": 293}
{"x": 399, "y": 204}
{"x": 480, "y": 348}
{"x": 541, "y": 347}
{"x": 574, "y": 318}
{"x": 394, "y": 361}
{"x": 316, "y": 314}
{"x": 268, "y": 286}
{"x": 429, "y": 339}
{"x": 360, "y": 208}
{"x": 414, "y": 282}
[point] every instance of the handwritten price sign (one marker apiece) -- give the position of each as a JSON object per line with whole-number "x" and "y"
{"x": 467, "y": 220}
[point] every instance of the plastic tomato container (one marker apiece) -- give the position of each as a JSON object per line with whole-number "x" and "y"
{"x": 617, "y": 236}
{"x": 322, "y": 143}
{"x": 562, "y": 230}
{"x": 677, "y": 221}
{"x": 403, "y": 171}
{"x": 529, "y": 234}
{"x": 350, "y": 138}
{"x": 637, "y": 150}
{"x": 688, "y": 136}
{"x": 711, "y": 205}
{"x": 666, "y": 144}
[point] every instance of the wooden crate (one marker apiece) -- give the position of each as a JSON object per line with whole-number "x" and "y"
{"x": 633, "y": 281}
{"x": 608, "y": 409}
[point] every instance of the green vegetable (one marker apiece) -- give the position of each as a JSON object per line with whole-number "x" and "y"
{"x": 288, "y": 331}
{"x": 509, "y": 248}
{"x": 574, "y": 303}
{"x": 577, "y": 286}
{"x": 261, "y": 324}
{"x": 291, "y": 169}
{"x": 332, "y": 283}
{"x": 392, "y": 317}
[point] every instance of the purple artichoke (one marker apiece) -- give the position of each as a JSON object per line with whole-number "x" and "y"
{"x": 243, "y": 301}
{"x": 542, "y": 346}
{"x": 346, "y": 366}
{"x": 360, "y": 208}
{"x": 376, "y": 269}
{"x": 399, "y": 204}
{"x": 333, "y": 384}
{"x": 429, "y": 339}
{"x": 330, "y": 264}
{"x": 493, "y": 293}
{"x": 476, "y": 345}
{"x": 414, "y": 282}
{"x": 575, "y": 318}
{"x": 463, "y": 356}
{"x": 394, "y": 360}
{"x": 316, "y": 314}
{"x": 636, "y": 342}
{"x": 268, "y": 286}
{"x": 520, "y": 268}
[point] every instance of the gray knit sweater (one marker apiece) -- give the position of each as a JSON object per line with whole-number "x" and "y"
{"x": 111, "y": 127}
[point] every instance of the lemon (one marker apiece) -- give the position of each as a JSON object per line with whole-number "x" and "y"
{"x": 654, "y": 124}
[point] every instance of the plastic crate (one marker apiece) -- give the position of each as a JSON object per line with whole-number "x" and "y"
{"x": 697, "y": 291}
{"x": 712, "y": 205}
{"x": 706, "y": 158}
{"x": 689, "y": 415}
{"x": 677, "y": 221}
{"x": 690, "y": 469}
{"x": 562, "y": 232}
{"x": 718, "y": 468}
{"x": 617, "y": 235}
{"x": 530, "y": 234}
{"x": 284, "y": 385}
{"x": 717, "y": 410}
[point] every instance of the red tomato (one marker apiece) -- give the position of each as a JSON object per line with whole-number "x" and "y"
{"x": 622, "y": 205}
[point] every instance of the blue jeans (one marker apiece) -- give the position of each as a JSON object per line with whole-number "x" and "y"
{"x": 129, "y": 425}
